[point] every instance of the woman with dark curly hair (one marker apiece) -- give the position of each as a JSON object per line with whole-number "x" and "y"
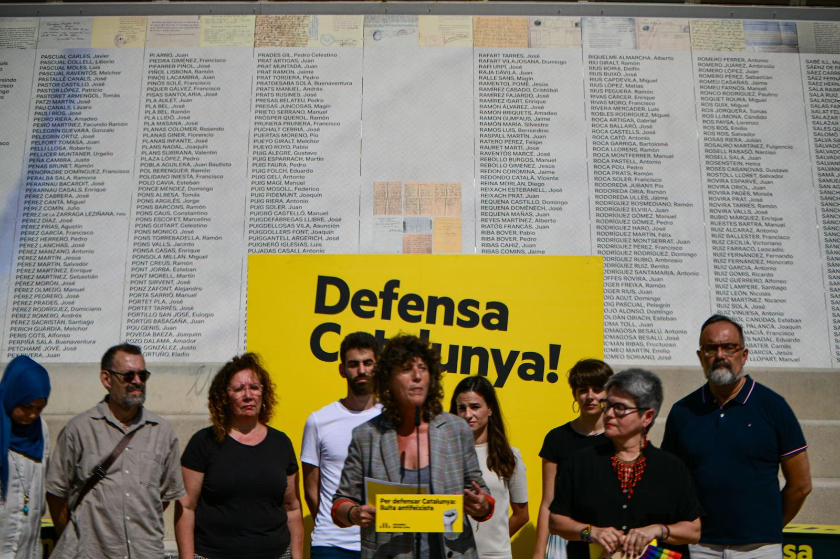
{"x": 241, "y": 476}
{"x": 413, "y": 442}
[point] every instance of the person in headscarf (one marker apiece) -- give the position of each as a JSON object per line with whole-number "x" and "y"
{"x": 24, "y": 450}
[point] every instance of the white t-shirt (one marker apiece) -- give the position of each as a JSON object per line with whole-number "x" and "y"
{"x": 326, "y": 437}
{"x": 492, "y": 537}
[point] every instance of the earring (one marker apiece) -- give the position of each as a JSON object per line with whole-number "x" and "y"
{"x": 644, "y": 441}
{"x": 573, "y": 407}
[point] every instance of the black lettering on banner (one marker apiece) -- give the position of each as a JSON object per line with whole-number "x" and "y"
{"x": 333, "y": 295}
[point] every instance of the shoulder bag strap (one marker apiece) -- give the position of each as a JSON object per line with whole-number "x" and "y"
{"x": 100, "y": 471}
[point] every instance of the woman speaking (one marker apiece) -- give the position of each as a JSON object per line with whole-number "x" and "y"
{"x": 413, "y": 442}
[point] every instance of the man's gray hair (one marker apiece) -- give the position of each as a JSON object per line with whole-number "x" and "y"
{"x": 644, "y": 386}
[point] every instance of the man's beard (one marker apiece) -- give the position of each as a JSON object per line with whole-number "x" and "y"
{"x": 721, "y": 374}
{"x": 133, "y": 399}
{"x": 361, "y": 389}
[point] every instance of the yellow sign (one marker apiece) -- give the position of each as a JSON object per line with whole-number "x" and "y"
{"x": 420, "y": 513}
{"x": 522, "y": 321}
{"x": 376, "y": 487}
{"x": 812, "y": 529}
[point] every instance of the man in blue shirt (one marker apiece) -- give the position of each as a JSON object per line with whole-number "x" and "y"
{"x": 734, "y": 433}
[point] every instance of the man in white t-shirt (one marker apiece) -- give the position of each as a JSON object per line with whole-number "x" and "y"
{"x": 326, "y": 437}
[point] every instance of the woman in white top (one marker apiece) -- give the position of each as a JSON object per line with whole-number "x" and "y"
{"x": 24, "y": 449}
{"x": 502, "y": 467}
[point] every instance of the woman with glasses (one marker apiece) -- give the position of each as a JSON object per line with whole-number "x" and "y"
{"x": 626, "y": 493}
{"x": 241, "y": 476}
{"x": 586, "y": 379}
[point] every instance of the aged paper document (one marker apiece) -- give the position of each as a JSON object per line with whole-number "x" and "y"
{"x": 722, "y": 35}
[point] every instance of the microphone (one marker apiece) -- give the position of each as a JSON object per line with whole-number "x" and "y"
{"x": 417, "y": 536}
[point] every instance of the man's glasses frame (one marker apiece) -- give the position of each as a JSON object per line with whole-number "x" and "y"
{"x": 710, "y": 350}
{"x": 129, "y": 376}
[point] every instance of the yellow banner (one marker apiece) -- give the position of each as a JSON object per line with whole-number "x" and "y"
{"x": 420, "y": 513}
{"x": 522, "y": 321}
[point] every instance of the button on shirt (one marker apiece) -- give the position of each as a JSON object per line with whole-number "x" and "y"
{"x": 122, "y": 516}
{"x": 734, "y": 453}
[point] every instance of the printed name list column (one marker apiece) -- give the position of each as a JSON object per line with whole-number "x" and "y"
{"x": 822, "y": 76}
{"x": 304, "y": 163}
{"x": 760, "y": 203}
{"x": 186, "y": 260}
{"x": 645, "y": 176}
{"x": 70, "y": 262}
{"x": 18, "y": 37}
{"x": 530, "y": 142}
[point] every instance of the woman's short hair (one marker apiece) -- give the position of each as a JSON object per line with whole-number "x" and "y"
{"x": 644, "y": 386}
{"x": 396, "y": 353}
{"x": 589, "y": 372}
{"x": 218, "y": 401}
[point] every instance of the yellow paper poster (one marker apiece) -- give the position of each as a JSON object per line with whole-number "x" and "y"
{"x": 227, "y": 31}
{"x": 504, "y": 32}
{"x": 282, "y": 31}
{"x": 721, "y": 35}
{"x": 522, "y": 321}
{"x": 118, "y": 31}
{"x": 420, "y": 513}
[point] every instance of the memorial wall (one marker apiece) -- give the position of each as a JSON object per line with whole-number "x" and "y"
{"x": 143, "y": 158}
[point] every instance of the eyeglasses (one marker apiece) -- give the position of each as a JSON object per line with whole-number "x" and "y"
{"x": 710, "y": 350}
{"x": 129, "y": 376}
{"x": 239, "y": 390}
{"x": 619, "y": 409}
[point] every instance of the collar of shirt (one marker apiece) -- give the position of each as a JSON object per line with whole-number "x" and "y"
{"x": 740, "y": 398}
{"x": 102, "y": 411}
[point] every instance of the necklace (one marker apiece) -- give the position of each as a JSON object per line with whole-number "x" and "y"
{"x": 22, "y": 485}
{"x": 629, "y": 473}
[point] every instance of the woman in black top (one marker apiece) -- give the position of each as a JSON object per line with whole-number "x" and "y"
{"x": 241, "y": 476}
{"x": 626, "y": 493}
{"x": 586, "y": 379}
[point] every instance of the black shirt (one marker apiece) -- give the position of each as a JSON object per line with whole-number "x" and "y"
{"x": 561, "y": 442}
{"x": 588, "y": 491}
{"x": 240, "y": 510}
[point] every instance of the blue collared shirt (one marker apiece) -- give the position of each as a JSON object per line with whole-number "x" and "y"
{"x": 734, "y": 452}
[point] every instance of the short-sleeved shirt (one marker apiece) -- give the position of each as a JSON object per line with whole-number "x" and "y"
{"x": 493, "y": 535}
{"x": 734, "y": 453}
{"x": 561, "y": 442}
{"x": 240, "y": 511}
{"x": 326, "y": 436}
{"x": 122, "y": 516}
{"x": 588, "y": 491}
